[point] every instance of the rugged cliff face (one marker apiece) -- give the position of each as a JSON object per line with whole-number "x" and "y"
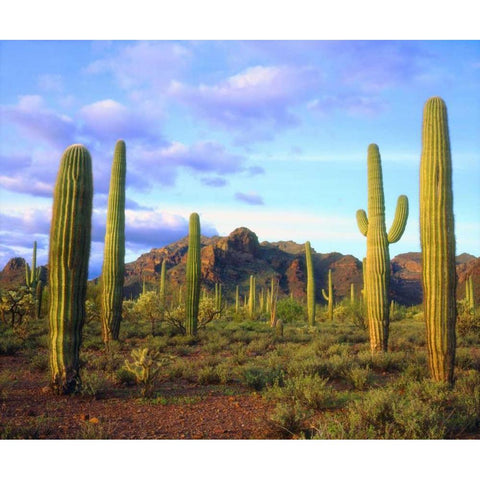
{"x": 231, "y": 260}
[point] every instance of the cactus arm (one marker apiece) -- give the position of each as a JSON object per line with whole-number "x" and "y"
{"x": 362, "y": 222}
{"x": 399, "y": 221}
{"x": 325, "y": 296}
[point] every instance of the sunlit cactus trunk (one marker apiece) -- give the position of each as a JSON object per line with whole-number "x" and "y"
{"x": 70, "y": 234}
{"x": 377, "y": 271}
{"x": 437, "y": 237}
{"x": 310, "y": 285}
{"x": 193, "y": 275}
{"x": 237, "y": 299}
{"x": 113, "y": 270}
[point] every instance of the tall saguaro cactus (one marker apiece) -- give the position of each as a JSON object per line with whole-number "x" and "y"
{"x": 113, "y": 270}
{"x": 437, "y": 238}
{"x": 194, "y": 270}
{"x": 252, "y": 298}
{"x": 377, "y": 274}
{"x": 70, "y": 234}
{"x": 163, "y": 289}
{"x": 329, "y": 297}
{"x": 310, "y": 285}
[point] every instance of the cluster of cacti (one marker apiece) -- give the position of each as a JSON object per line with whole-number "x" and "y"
{"x": 145, "y": 366}
{"x": 193, "y": 274}
{"x": 437, "y": 240}
{"x": 310, "y": 285}
{"x": 377, "y": 273}
{"x": 252, "y": 298}
{"x": 469, "y": 297}
{"x": 113, "y": 269}
{"x": 68, "y": 265}
{"x": 329, "y": 297}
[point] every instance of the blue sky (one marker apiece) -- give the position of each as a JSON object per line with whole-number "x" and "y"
{"x": 271, "y": 135}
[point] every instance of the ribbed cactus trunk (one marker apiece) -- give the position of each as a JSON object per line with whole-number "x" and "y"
{"x": 352, "y": 294}
{"x": 310, "y": 285}
{"x": 437, "y": 238}
{"x": 113, "y": 270}
{"x": 69, "y": 252}
{"x": 194, "y": 271}
{"x": 329, "y": 297}
{"x": 377, "y": 274}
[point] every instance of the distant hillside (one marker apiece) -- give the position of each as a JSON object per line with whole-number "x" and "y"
{"x": 231, "y": 260}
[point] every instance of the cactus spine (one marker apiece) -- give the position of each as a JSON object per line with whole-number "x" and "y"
{"x": 329, "y": 297}
{"x": 69, "y": 251}
{"x": 310, "y": 285}
{"x": 377, "y": 272}
{"x": 194, "y": 271}
{"x": 437, "y": 238}
{"x": 113, "y": 269}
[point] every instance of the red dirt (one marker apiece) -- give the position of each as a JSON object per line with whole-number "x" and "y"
{"x": 30, "y": 410}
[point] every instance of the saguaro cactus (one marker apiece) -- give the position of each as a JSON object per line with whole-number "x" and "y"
{"x": 163, "y": 289}
{"x": 437, "y": 238}
{"x": 252, "y": 298}
{"x": 194, "y": 271}
{"x": 68, "y": 265}
{"x": 310, "y": 285}
{"x": 329, "y": 297}
{"x": 113, "y": 270}
{"x": 237, "y": 299}
{"x": 377, "y": 274}
{"x": 469, "y": 297}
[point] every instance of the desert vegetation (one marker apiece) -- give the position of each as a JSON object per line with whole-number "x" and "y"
{"x": 81, "y": 361}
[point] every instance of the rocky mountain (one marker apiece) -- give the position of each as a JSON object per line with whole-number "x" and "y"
{"x": 231, "y": 260}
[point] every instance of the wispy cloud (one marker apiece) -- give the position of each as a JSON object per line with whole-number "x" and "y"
{"x": 252, "y": 101}
{"x": 37, "y": 121}
{"x": 142, "y": 64}
{"x": 108, "y": 120}
{"x": 251, "y": 198}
